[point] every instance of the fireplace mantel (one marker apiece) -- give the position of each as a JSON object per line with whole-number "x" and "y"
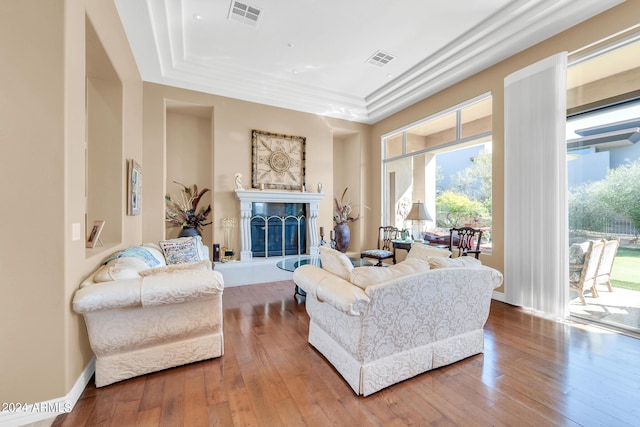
{"x": 248, "y": 197}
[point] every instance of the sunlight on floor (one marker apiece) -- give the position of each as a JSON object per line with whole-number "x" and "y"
{"x": 620, "y": 308}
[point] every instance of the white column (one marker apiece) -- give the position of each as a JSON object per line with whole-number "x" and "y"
{"x": 245, "y": 230}
{"x": 312, "y": 232}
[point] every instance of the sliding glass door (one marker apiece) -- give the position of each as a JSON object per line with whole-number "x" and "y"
{"x": 603, "y": 166}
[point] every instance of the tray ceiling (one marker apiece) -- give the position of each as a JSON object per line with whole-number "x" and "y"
{"x": 359, "y": 60}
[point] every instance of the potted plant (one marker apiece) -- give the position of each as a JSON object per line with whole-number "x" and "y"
{"x": 183, "y": 211}
{"x": 341, "y": 217}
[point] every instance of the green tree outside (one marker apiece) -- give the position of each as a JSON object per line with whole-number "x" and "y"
{"x": 619, "y": 193}
{"x": 456, "y": 206}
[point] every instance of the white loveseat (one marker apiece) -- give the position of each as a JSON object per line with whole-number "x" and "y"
{"x": 143, "y": 315}
{"x": 381, "y": 325}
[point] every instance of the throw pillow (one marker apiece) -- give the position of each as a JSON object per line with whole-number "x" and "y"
{"x": 422, "y": 251}
{"x": 577, "y": 252}
{"x": 120, "y": 269}
{"x": 335, "y": 262}
{"x": 165, "y": 269}
{"x": 140, "y": 252}
{"x": 182, "y": 250}
{"x": 463, "y": 261}
{"x": 156, "y": 252}
{"x": 367, "y": 276}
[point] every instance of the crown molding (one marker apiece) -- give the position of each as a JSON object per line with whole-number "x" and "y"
{"x": 521, "y": 24}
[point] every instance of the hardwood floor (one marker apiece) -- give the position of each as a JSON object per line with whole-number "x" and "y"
{"x": 534, "y": 372}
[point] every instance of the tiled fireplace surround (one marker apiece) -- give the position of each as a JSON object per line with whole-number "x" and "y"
{"x": 251, "y": 270}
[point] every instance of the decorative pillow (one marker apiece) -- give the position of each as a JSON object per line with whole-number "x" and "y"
{"x": 120, "y": 269}
{"x": 463, "y": 261}
{"x": 182, "y": 250}
{"x": 367, "y": 276}
{"x": 577, "y": 252}
{"x": 155, "y": 250}
{"x": 574, "y": 276}
{"x": 335, "y": 262}
{"x": 422, "y": 251}
{"x": 140, "y": 252}
{"x": 165, "y": 269}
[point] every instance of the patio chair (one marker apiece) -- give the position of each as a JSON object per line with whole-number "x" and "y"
{"x": 606, "y": 262}
{"x": 584, "y": 259}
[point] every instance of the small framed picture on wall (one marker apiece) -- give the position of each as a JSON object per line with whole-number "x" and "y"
{"x": 93, "y": 233}
{"x": 134, "y": 187}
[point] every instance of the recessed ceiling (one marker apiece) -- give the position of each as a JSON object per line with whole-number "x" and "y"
{"x": 313, "y": 56}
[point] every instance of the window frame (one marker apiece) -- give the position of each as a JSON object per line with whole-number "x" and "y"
{"x": 458, "y": 141}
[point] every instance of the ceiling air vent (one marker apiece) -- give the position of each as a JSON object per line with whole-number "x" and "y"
{"x": 380, "y": 59}
{"x": 245, "y": 13}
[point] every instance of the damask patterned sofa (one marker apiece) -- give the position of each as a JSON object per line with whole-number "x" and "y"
{"x": 143, "y": 315}
{"x": 381, "y": 325}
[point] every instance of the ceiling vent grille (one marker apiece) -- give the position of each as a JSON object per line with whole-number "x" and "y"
{"x": 380, "y": 59}
{"x": 245, "y": 13}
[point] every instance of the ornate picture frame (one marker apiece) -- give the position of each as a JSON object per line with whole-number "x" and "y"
{"x": 278, "y": 161}
{"x": 134, "y": 187}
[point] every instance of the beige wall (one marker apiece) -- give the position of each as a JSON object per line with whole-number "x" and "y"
{"x": 44, "y": 344}
{"x": 42, "y": 46}
{"x": 232, "y": 123}
{"x": 189, "y": 159}
{"x": 492, "y": 79}
{"x": 32, "y": 257}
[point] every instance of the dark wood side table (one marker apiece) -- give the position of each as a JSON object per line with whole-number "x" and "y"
{"x": 406, "y": 244}
{"x": 402, "y": 244}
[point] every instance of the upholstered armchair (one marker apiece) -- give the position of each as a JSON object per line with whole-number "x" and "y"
{"x": 141, "y": 319}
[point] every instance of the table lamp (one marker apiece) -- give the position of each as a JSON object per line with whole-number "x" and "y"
{"x": 418, "y": 213}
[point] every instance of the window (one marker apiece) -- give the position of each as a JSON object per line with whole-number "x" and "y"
{"x": 444, "y": 161}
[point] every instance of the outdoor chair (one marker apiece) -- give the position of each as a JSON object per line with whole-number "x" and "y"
{"x": 466, "y": 240}
{"x": 386, "y": 234}
{"x": 584, "y": 260}
{"x": 606, "y": 262}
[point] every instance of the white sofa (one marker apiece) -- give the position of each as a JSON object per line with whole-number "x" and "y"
{"x": 143, "y": 319}
{"x": 381, "y": 325}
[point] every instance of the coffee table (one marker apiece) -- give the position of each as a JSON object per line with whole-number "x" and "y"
{"x": 290, "y": 264}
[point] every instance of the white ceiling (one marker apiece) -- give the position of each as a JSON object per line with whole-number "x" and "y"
{"x": 311, "y": 55}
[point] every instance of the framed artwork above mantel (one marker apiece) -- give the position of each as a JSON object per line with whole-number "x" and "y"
{"x": 278, "y": 161}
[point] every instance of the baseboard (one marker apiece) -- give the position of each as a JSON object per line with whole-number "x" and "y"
{"x": 498, "y": 296}
{"x": 36, "y": 412}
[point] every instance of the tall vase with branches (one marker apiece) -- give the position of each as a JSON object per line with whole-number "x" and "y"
{"x": 342, "y": 217}
{"x": 183, "y": 211}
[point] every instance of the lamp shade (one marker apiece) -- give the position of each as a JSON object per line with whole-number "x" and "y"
{"x": 418, "y": 213}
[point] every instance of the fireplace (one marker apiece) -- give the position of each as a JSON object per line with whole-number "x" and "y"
{"x": 278, "y": 223}
{"x": 278, "y": 229}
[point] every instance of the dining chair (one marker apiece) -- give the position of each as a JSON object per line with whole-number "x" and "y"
{"x": 386, "y": 234}
{"x": 466, "y": 240}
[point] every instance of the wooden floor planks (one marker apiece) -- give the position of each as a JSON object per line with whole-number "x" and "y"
{"x": 534, "y": 372}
